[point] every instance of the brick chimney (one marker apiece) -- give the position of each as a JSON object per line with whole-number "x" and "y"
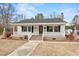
{"x": 62, "y": 17}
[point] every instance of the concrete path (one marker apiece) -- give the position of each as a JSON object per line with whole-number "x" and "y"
{"x": 28, "y": 48}
{"x": 25, "y": 50}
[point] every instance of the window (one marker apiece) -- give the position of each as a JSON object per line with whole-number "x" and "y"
{"x": 29, "y": 28}
{"x": 56, "y": 28}
{"x": 32, "y": 29}
{"x": 24, "y": 28}
{"x": 49, "y": 28}
{"x": 77, "y": 33}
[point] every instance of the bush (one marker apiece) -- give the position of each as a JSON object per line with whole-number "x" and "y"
{"x": 68, "y": 27}
{"x": 8, "y": 34}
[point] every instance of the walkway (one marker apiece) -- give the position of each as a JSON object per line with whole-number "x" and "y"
{"x": 25, "y": 49}
{"x": 28, "y": 48}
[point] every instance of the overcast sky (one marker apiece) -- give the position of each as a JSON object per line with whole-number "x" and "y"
{"x": 31, "y": 9}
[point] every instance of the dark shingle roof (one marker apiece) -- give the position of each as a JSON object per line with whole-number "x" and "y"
{"x": 41, "y": 20}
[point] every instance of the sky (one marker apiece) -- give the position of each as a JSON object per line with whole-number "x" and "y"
{"x": 31, "y": 9}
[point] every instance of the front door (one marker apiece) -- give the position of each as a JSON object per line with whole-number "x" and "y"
{"x": 40, "y": 30}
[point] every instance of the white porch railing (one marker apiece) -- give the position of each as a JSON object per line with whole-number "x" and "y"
{"x": 21, "y": 34}
{"x": 29, "y": 35}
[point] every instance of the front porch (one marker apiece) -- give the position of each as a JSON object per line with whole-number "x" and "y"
{"x": 43, "y": 30}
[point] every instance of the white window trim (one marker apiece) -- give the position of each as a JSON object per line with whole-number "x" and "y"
{"x": 57, "y": 25}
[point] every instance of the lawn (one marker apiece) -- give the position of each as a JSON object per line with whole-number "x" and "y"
{"x": 7, "y": 46}
{"x": 56, "y": 49}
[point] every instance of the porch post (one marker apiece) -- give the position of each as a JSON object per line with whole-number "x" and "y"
{"x": 43, "y": 33}
{"x": 53, "y": 28}
{"x": 28, "y": 33}
{"x": 13, "y": 29}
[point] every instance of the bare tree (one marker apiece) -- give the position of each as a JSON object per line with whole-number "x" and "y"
{"x": 75, "y": 20}
{"x": 75, "y": 23}
{"x": 6, "y": 10}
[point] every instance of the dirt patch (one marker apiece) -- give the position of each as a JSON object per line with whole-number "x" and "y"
{"x": 56, "y": 49}
{"x": 8, "y": 46}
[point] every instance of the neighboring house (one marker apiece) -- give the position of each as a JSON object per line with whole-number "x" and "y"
{"x": 54, "y": 27}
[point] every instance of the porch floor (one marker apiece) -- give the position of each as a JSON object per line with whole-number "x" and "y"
{"x": 36, "y": 37}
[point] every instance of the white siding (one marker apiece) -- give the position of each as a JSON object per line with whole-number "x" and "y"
{"x": 36, "y": 30}
{"x": 63, "y": 30}
{"x": 55, "y": 34}
{"x": 45, "y": 33}
{"x": 19, "y": 28}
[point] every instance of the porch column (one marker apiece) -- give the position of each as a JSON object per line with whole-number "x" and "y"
{"x": 13, "y": 29}
{"x": 27, "y": 29}
{"x": 43, "y": 33}
{"x": 28, "y": 33}
{"x": 53, "y": 27}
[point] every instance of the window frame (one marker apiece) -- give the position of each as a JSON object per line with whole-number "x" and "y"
{"x": 57, "y": 28}
{"x": 24, "y": 28}
{"x": 29, "y": 28}
{"x": 49, "y": 28}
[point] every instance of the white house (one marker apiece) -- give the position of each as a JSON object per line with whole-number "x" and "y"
{"x": 54, "y": 27}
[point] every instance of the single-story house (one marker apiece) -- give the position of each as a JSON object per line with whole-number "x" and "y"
{"x": 50, "y": 27}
